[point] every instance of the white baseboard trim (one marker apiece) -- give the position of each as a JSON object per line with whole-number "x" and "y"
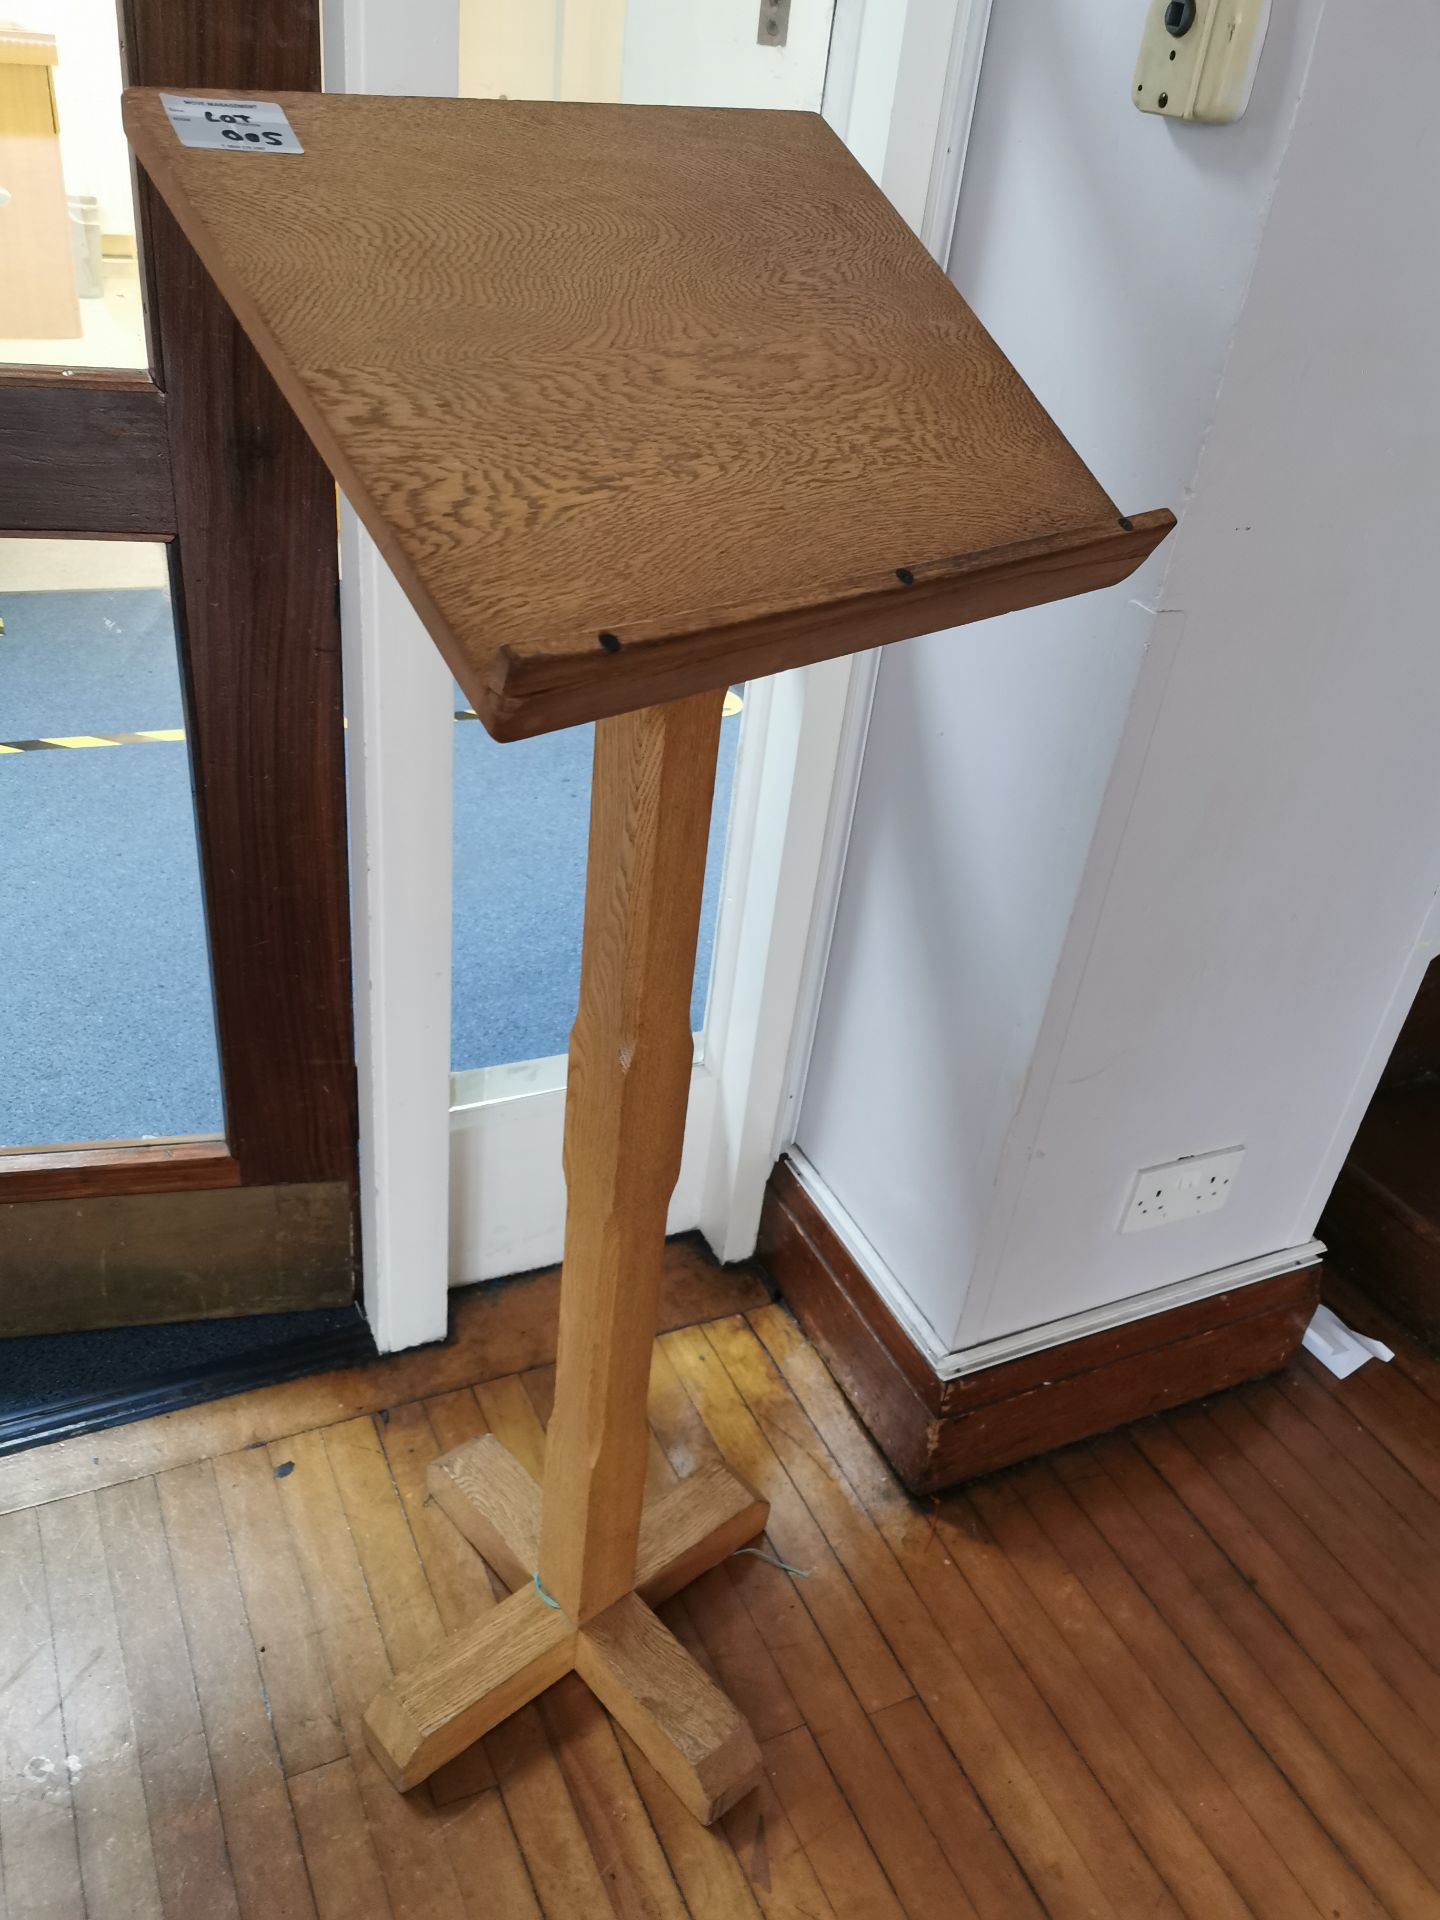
{"x": 1139, "y": 1306}
{"x": 952, "y": 1363}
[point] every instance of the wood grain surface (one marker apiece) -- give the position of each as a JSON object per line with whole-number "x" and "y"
{"x": 687, "y": 1525}
{"x": 496, "y": 1330}
{"x": 118, "y": 1166}
{"x": 634, "y": 400}
{"x": 80, "y": 457}
{"x": 468, "y": 1683}
{"x": 629, "y": 1075}
{"x": 687, "y": 1729}
{"x": 1156, "y": 1674}
{"x": 133, "y": 1259}
{"x": 1383, "y": 1218}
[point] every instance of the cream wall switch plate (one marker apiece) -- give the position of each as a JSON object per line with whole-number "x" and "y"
{"x": 1198, "y": 57}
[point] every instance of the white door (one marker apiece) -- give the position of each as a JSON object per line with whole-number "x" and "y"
{"x": 461, "y": 1119}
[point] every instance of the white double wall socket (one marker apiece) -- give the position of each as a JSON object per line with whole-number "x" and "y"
{"x": 1198, "y": 58}
{"x": 1180, "y": 1189}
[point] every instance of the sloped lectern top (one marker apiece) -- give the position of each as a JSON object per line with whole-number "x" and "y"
{"x": 636, "y": 401}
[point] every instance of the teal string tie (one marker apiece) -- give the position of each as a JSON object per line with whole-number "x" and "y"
{"x": 800, "y": 1573}
{"x": 543, "y": 1594}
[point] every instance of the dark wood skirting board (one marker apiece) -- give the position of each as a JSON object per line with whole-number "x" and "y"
{"x": 1382, "y": 1222}
{"x": 1390, "y": 1247}
{"x": 936, "y": 1432}
{"x": 127, "y": 1260}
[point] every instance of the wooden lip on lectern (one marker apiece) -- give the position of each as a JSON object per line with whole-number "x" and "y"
{"x": 636, "y": 401}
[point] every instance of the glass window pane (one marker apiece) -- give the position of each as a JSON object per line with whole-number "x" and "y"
{"x": 522, "y": 815}
{"x": 70, "y": 286}
{"x": 521, "y": 809}
{"x": 107, "y": 1029}
{"x": 644, "y": 52}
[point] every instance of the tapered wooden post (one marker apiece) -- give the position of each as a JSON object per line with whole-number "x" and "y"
{"x": 630, "y": 1059}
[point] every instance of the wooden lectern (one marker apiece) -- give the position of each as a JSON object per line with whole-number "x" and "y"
{"x": 637, "y": 402}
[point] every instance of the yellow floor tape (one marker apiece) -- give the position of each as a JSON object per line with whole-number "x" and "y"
{"x": 74, "y": 740}
{"x": 733, "y": 705}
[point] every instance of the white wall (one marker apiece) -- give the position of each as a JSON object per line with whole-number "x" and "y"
{"x": 1110, "y": 254}
{"x": 1282, "y": 847}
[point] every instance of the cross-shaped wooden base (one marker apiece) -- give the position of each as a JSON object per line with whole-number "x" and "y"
{"x": 681, "y": 1721}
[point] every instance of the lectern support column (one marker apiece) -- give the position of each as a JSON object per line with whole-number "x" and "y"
{"x": 586, "y": 1567}
{"x": 629, "y": 1080}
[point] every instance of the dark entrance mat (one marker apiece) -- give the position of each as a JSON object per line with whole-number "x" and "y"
{"x": 55, "y": 1385}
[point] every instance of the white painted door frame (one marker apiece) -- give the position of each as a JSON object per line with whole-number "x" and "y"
{"x": 398, "y": 754}
{"x": 900, "y": 89}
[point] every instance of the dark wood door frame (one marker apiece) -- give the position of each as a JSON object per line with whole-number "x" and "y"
{"x": 207, "y": 456}
{"x": 262, "y": 644}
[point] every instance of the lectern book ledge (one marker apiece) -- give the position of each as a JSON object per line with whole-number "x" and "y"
{"x": 636, "y": 402}
{"x": 676, "y": 376}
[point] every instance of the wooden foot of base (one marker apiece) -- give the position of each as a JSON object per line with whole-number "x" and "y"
{"x": 686, "y": 1531}
{"x": 679, "y": 1719}
{"x": 470, "y": 1683}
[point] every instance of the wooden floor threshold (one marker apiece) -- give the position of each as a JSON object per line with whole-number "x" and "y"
{"x": 501, "y": 1327}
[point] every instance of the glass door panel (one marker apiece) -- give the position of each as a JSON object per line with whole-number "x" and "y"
{"x": 521, "y": 810}
{"x": 120, "y": 985}
{"x": 107, "y": 1028}
{"x": 70, "y": 286}
{"x": 708, "y": 53}
{"x": 522, "y": 815}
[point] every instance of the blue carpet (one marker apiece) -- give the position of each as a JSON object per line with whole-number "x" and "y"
{"x": 106, "y": 1027}
{"x": 521, "y": 825}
